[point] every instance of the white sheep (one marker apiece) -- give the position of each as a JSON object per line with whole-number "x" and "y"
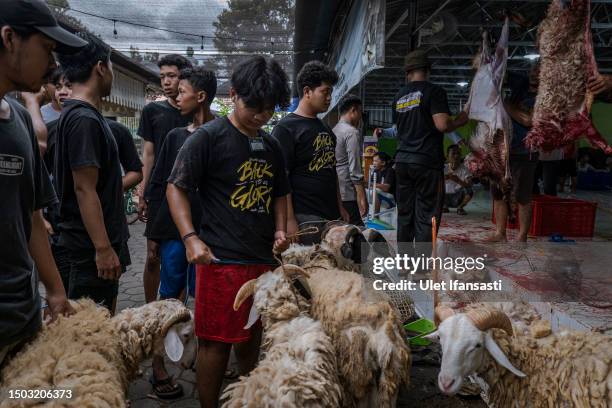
{"x": 299, "y": 366}
{"x": 95, "y": 356}
{"x": 569, "y": 369}
{"x": 373, "y": 357}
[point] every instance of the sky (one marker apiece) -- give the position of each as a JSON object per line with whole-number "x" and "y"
{"x": 191, "y": 16}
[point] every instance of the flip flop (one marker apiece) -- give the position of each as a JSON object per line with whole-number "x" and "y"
{"x": 231, "y": 374}
{"x": 176, "y": 390}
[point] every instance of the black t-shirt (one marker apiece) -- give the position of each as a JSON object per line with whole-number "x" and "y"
{"x": 128, "y": 155}
{"x": 419, "y": 140}
{"x": 386, "y": 176}
{"x": 156, "y": 120}
{"x": 84, "y": 139}
{"x": 163, "y": 227}
{"x": 25, "y": 188}
{"x": 309, "y": 148}
{"x": 49, "y": 155}
{"x": 238, "y": 179}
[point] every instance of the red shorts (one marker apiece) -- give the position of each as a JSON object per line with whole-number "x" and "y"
{"x": 216, "y": 288}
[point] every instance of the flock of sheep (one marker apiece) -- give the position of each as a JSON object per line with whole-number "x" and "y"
{"x": 335, "y": 343}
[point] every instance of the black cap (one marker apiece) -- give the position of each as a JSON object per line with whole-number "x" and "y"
{"x": 416, "y": 60}
{"x": 37, "y": 15}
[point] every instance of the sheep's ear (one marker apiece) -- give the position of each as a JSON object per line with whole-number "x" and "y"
{"x": 433, "y": 337}
{"x": 500, "y": 357}
{"x": 253, "y": 317}
{"x": 173, "y": 345}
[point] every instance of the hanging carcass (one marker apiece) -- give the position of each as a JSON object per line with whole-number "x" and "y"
{"x": 567, "y": 61}
{"x": 490, "y": 142}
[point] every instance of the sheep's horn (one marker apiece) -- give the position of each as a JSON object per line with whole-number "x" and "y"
{"x": 293, "y": 271}
{"x": 244, "y": 293}
{"x": 181, "y": 315}
{"x": 485, "y": 319}
{"x": 443, "y": 312}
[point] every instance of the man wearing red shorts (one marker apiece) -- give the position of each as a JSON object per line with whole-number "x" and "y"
{"x": 239, "y": 173}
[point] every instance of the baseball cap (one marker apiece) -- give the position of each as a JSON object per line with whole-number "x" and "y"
{"x": 416, "y": 60}
{"x": 37, "y": 15}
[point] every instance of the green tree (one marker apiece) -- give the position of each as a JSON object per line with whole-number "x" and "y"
{"x": 246, "y": 26}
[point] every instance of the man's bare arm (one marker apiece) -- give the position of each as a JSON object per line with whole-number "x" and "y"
{"x": 85, "y": 181}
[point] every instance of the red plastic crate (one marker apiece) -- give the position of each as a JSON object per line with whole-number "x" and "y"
{"x": 566, "y": 216}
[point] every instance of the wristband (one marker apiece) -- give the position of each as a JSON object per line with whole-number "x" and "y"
{"x": 191, "y": 234}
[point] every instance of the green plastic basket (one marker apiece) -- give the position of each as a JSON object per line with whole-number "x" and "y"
{"x": 421, "y": 328}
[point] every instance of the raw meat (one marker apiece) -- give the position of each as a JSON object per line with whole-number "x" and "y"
{"x": 561, "y": 112}
{"x": 490, "y": 142}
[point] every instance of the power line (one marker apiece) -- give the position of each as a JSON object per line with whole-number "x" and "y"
{"x": 201, "y": 36}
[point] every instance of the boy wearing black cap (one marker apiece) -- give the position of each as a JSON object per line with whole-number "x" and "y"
{"x": 422, "y": 116}
{"x": 28, "y": 36}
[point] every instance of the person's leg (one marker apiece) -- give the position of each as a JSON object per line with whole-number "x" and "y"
{"x": 247, "y": 353}
{"x": 150, "y": 277}
{"x": 550, "y": 170}
{"x": 523, "y": 177}
{"x": 406, "y": 197}
{"x": 429, "y": 201}
{"x": 353, "y": 209}
{"x": 466, "y": 197}
{"x": 525, "y": 221}
{"x": 173, "y": 275}
{"x": 210, "y": 367}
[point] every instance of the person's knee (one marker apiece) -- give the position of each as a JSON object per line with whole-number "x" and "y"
{"x": 152, "y": 252}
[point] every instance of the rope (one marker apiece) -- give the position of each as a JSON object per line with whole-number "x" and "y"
{"x": 434, "y": 252}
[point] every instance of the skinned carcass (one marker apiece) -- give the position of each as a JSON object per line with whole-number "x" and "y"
{"x": 490, "y": 142}
{"x": 567, "y": 61}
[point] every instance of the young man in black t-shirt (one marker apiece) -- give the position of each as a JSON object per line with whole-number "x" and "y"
{"x": 197, "y": 89}
{"x": 422, "y": 116}
{"x": 87, "y": 171}
{"x": 239, "y": 173}
{"x": 309, "y": 147}
{"x": 156, "y": 120}
{"x": 25, "y": 60}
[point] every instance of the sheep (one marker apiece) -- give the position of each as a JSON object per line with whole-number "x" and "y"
{"x": 373, "y": 357}
{"x": 95, "y": 356}
{"x": 568, "y": 369}
{"x": 299, "y": 367}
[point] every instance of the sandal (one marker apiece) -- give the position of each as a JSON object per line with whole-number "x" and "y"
{"x": 461, "y": 211}
{"x": 231, "y": 374}
{"x": 166, "y": 389}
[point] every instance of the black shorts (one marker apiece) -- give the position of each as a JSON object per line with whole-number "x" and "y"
{"x": 523, "y": 175}
{"x": 84, "y": 280}
{"x": 568, "y": 168}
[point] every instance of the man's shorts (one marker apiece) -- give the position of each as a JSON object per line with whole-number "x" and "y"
{"x": 523, "y": 176}
{"x": 175, "y": 272}
{"x": 84, "y": 280}
{"x": 568, "y": 168}
{"x": 216, "y": 289}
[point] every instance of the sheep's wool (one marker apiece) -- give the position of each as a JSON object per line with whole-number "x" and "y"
{"x": 81, "y": 353}
{"x": 90, "y": 353}
{"x": 298, "y": 368}
{"x": 570, "y": 369}
{"x": 561, "y": 112}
